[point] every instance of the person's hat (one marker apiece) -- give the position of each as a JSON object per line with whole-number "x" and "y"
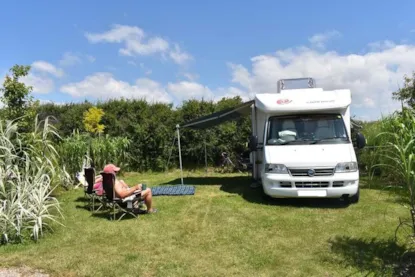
{"x": 110, "y": 168}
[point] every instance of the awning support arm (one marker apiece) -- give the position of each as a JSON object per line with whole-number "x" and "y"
{"x": 180, "y": 152}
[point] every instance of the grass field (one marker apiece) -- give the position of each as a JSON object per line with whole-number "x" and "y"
{"x": 225, "y": 229}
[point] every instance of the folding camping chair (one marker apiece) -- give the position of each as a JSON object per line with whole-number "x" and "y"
{"x": 123, "y": 205}
{"x": 90, "y": 192}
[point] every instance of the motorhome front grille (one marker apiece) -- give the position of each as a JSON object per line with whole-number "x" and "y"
{"x": 311, "y": 184}
{"x": 316, "y": 171}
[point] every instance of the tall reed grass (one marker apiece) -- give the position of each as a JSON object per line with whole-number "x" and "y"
{"x": 29, "y": 172}
{"x": 397, "y": 156}
{"x": 77, "y": 148}
{"x": 373, "y": 158}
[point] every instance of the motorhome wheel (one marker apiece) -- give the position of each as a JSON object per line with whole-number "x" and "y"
{"x": 355, "y": 198}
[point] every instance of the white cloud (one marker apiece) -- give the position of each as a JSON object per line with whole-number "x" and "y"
{"x": 153, "y": 45}
{"x": 40, "y": 77}
{"x": 179, "y": 56}
{"x": 371, "y": 77}
{"x": 381, "y": 45}
{"x": 137, "y": 43}
{"x": 241, "y": 75}
{"x": 231, "y": 92}
{"x": 46, "y": 67}
{"x": 118, "y": 33}
{"x": 320, "y": 40}
{"x": 190, "y": 76}
{"x": 133, "y": 39}
{"x": 368, "y": 102}
{"x": 103, "y": 85}
{"x": 70, "y": 59}
{"x": 186, "y": 90}
{"x": 40, "y": 84}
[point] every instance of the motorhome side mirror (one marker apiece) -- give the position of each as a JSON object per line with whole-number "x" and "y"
{"x": 360, "y": 140}
{"x": 253, "y": 143}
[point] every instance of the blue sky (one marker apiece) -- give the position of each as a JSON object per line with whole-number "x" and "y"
{"x": 176, "y": 50}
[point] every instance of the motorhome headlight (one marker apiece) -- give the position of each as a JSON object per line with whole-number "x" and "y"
{"x": 346, "y": 167}
{"x": 276, "y": 168}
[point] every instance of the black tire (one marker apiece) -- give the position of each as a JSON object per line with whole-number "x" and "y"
{"x": 355, "y": 198}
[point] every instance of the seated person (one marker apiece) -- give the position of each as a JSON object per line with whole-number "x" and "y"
{"x": 122, "y": 190}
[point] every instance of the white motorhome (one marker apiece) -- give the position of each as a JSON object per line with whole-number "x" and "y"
{"x": 302, "y": 143}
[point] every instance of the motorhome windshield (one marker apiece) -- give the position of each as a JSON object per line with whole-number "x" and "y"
{"x": 307, "y": 129}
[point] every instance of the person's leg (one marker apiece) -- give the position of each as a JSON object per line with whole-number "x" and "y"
{"x": 148, "y": 199}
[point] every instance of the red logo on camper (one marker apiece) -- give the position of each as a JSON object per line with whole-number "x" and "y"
{"x": 283, "y": 101}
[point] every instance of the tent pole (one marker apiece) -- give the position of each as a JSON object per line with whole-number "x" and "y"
{"x": 206, "y": 158}
{"x": 180, "y": 153}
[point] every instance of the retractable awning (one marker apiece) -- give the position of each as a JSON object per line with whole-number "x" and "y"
{"x": 220, "y": 117}
{"x": 233, "y": 113}
{"x": 211, "y": 120}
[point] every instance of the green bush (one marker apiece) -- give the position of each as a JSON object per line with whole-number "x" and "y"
{"x": 151, "y": 131}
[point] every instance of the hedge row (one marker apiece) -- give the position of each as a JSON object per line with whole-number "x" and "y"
{"x": 150, "y": 128}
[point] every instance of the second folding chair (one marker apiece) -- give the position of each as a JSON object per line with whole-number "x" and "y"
{"x": 90, "y": 192}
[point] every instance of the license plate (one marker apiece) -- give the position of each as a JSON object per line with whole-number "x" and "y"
{"x": 312, "y": 193}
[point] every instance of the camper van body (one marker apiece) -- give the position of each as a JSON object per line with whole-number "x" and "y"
{"x": 304, "y": 144}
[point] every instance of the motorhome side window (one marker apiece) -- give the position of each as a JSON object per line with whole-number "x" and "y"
{"x": 307, "y": 129}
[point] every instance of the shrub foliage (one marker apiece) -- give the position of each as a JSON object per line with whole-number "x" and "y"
{"x": 146, "y": 133}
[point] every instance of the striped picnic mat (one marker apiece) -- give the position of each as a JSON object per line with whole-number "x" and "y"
{"x": 173, "y": 190}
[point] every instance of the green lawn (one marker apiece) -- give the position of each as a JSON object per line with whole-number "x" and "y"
{"x": 225, "y": 229}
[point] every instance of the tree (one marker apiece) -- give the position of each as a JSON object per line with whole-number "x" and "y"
{"x": 16, "y": 96}
{"x": 407, "y": 93}
{"x": 92, "y": 119}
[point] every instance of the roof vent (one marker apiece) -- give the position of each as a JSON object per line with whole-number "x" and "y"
{"x": 295, "y": 83}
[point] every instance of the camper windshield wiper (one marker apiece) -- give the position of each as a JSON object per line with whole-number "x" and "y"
{"x": 303, "y": 141}
{"x": 325, "y": 139}
{"x": 298, "y": 141}
{"x": 287, "y": 142}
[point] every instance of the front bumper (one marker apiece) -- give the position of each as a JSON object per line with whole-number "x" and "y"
{"x": 287, "y": 186}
